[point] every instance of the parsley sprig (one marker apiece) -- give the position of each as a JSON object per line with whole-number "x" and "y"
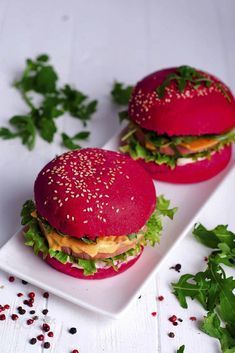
{"x": 121, "y": 95}
{"x": 46, "y": 101}
{"x": 211, "y": 288}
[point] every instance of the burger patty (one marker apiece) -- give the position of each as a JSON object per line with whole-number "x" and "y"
{"x": 103, "y": 248}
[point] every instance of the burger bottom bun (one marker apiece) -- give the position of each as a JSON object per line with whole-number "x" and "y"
{"x": 192, "y": 172}
{"x": 100, "y": 274}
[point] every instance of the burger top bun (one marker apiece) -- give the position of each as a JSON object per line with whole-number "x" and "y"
{"x": 208, "y": 108}
{"x": 94, "y": 192}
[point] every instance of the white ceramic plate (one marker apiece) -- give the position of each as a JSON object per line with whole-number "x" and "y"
{"x": 112, "y": 296}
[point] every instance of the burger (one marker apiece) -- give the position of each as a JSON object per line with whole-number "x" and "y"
{"x": 181, "y": 125}
{"x": 94, "y": 211}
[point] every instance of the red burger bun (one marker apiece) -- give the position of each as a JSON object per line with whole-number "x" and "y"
{"x": 94, "y": 192}
{"x": 192, "y": 172}
{"x": 206, "y": 110}
{"x": 100, "y": 274}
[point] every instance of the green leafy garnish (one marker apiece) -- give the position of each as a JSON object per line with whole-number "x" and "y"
{"x": 40, "y": 78}
{"x": 211, "y": 326}
{"x": 154, "y": 224}
{"x": 121, "y": 94}
{"x": 183, "y": 75}
{"x": 59, "y": 255}
{"x": 33, "y": 237}
{"x": 88, "y": 266}
{"x": 181, "y": 349}
{"x": 69, "y": 141}
{"x": 27, "y": 209}
{"x": 211, "y": 288}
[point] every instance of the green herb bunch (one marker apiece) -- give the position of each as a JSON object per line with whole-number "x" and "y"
{"x": 39, "y": 78}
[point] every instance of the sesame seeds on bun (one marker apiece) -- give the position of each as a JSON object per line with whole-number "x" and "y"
{"x": 205, "y": 110}
{"x": 94, "y": 192}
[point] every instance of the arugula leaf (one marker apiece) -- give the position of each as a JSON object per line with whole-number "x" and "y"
{"x": 27, "y": 209}
{"x": 69, "y": 142}
{"x": 41, "y": 78}
{"x": 88, "y": 266}
{"x": 211, "y": 326}
{"x": 220, "y": 239}
{"x": 121, "y": 94}
{"x": 181, "y": 349}
{"x": 154, "y": 224}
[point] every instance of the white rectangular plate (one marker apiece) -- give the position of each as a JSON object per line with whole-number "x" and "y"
{"x": 112, "y": 296}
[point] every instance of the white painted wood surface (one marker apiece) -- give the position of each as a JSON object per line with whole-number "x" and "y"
{"x": 91, "y": 44}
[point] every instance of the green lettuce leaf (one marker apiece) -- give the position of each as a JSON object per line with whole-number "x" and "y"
{"x": 59, "y": 255}
{"x": 154, "y": 224}
{"x": 33, "y": 237}
{"x": 89, "y": 267}
{"x": 27, "y": 209}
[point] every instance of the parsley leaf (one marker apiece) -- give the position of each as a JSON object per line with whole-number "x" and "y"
{"x": 69, "y": 141}
{"x": 181, "y": 349}
{"x": 121, "y": 94}
{"x": 40, "y": 78}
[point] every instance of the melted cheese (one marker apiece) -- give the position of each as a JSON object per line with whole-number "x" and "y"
{"x": 107, "y": 245}
{"x": 200, "y": 144}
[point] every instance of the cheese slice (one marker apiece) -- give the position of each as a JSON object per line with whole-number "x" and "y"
{"x": 107, "y": 245}
{"x": 200, "y": 144}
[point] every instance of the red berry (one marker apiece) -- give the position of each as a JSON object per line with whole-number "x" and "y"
{"x": 2, "y": 317}
{"x": 46, "y": 327}
{"x": 19, "y": 294}
{"x": 31, "y": 295}
{"x": 6, "y": 307}
{"x": 14, "y": 317}
{"x": 40, "y": 337}
{"x": 193, "y": 318}
{"x": 75, "y": 351}
{"x": 46, "y": 295}
{"x": 50, "y": 334}
{"x": 29, "y": 321}
{"x": 161, "y": 298}
{"x": 11, "y": 279}
{"x": 173, "y": 318}
{"x": 154, "y": 313}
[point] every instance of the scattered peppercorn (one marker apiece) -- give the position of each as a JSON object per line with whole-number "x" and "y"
{"x": 21, "y": 311}
{"x": 40, "y": 337}
{"x": 206, "y": 258}
{"x": 2, "y": 317}
{"x": 175, "y": 323}
{"x": 19, "y": 294}
{"x": 33, "y": 341}
{"x": 31, "y": 295}
{"x": 75, "y": 351}
{"x": 177, "y": 267}
{"x": 173, "y": 318}
{"x": 171, "y": 334}
{"x": 30, "y": 321}
{"x": 161, "y": 298}
{"x": 26, "y": 302}
{"x": 50, "y": 334}
{"x": 154, "y": 313}
{"x": 32, "y": 312}
{"x": 14, "y": 317}
{"x": 193, "y": 318}
{"x": 24, "y": 282}
{"x": 11, "y": 279}
{"x": 180, "y": 320}
{"x": 1, "y": 308}
{"x": 35, "y": 317}
{"x": 45, "y": 311}
{"x": 139, "y": 296}
{"x": 72, "y": 330}
{"x": 46, "y": 295}
{"x": 45, "y": 327}
{"x": 46, "y": 345}
{"x": 6, "y": 307}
